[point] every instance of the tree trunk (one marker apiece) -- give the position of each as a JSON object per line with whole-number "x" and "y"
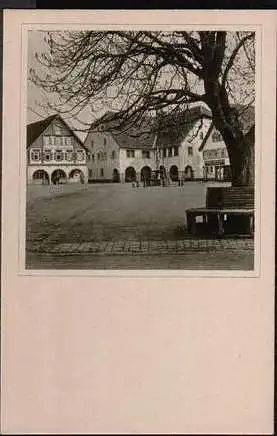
{"x": 242, "y": 160}
{"x": 240, "y": 146}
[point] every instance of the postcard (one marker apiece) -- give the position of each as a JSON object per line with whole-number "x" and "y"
{"x": 138, "y": 221}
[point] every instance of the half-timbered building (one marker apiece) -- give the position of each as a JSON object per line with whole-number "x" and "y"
{"x": 55, "y": 154}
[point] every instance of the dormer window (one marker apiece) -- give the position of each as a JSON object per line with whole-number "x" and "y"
{"x": 190, "y": 150}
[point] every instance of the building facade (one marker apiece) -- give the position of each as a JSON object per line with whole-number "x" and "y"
{"x": 216, "y": 158}
{"x": 133, "y": 155}
{"x": 54, "y": 153}
{"x": 179, "y": 154}
{"x": 215, "y": 155}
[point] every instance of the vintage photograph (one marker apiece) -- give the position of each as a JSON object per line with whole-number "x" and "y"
{"x": 138, "y": 201}
{"x": 140, "y": 150}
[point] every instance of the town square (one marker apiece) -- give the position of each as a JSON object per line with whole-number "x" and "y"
{"x": 151, "y": 172}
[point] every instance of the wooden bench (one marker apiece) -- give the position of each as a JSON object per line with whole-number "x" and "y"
{"x": 228, "y": 211}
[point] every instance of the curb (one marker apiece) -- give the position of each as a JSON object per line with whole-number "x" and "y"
{"x": 135, "y": 248}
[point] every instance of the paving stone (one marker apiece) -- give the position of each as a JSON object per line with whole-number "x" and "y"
{"x": 171, "y": 244}
{"x": 85, "y": 246}
{"x": 73, "y": 247}
{"x": 103, "y": 246}
{"x": 146, "y": 247}
{"x": 109, "y": 247}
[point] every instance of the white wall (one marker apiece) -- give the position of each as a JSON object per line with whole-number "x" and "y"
{"x": 102, "y": 142}
{"x": 49, "y": 169}
{"x": 194, "y": 140}
{"x": 136, "y": 162}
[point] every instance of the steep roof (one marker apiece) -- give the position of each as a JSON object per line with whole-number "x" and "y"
{"x": 172, "y": 128}
{"x": 127, "y": 135}
{"x": 135, "y": 137}
{"x": 176, "y": 127}
{"x": 34, "y": 130}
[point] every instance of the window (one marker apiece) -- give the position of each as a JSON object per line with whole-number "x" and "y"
{"x": 102, "y": 172}
{"x": 176, "y": 151}
{"x": 46, "y": 141}
{"x": 105, "y": 156}
{"x": 145, "y": 154}
{"x": 201, "y": 135}
{"x": 90, "y": 173}
{"x": 164, "y": 152}
{"x": 169, "y": 153}
{"x": 130, "y": 153}
{"x": 58, "y": 155}
{"x": 80, "y": 155}
{"x": 92, "y": 157}
{"x": 105, "y": 141}
{"x": 58, "y": 140}
{"x": 190, "y": 150}
{"x": 222, "y": 152}
{"x": 98, "y": 156}
{"x": 91, "y": 143}
{"x": 113, "y": 154}
{"x": 216, "y": 136}
{"x": 52, "y": 140}
{"x": 69, "y": 155}
{"x": 47, "y": 155}
{"x": 35, "y": 154}
{"x": 68, "y": 140}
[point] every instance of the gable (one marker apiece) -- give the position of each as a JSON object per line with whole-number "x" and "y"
{"x": 96, "y": 141}
{"x": 50, "y": 126}
{"x": 183, "y": 126}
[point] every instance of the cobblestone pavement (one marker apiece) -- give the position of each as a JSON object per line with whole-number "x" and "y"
{"x": 145, "y": 247}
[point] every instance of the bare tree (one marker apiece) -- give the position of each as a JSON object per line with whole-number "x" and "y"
{"x": 138, "y": 72}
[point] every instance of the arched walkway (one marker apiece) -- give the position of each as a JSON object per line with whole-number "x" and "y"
{"x": 58, "y": 176}
{"x": 41, "y": 177}
{"x": 173, "y": 172}
{"x": 188, "y": 172}
{"x": 76, "y": 176}
{"x": 116, "y": 176}
{"x": 145, "y": 175}
{"x": 130, "y": 174}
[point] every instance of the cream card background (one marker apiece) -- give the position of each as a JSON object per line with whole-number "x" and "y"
{"x": 135, "y": 354}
